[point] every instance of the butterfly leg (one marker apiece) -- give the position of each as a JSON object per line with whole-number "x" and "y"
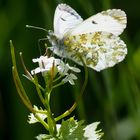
{"x": 39, "y": 42}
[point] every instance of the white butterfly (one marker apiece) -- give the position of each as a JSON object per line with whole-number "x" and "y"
{"x": 95, "y": 39}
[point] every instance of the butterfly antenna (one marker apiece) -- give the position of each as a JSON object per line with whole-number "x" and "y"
{"x": 43, "y": 39}
{"x": 35, "y": 27}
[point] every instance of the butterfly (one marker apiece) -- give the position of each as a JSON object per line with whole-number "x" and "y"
{"x": 96, "y": 39}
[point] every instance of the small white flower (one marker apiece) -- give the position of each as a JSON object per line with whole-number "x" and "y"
{"x": 32, "y": 118}
{"x": 91, "y": 133}
{"x": 64, "y": 68}
{"x": 70, "y": 78}
{"x": 46, "y": 64}
{"x": 73, "y": 68}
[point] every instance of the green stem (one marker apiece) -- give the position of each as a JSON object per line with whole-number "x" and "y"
{"x": 50, "y": 119}
{"x": 17, "y": 81}
{"x": 48, "y": 78}
{"x": 26, "y": 103}
{"x": 38, "y": 85}
{"x": 68, "y": 112}
{"x": 28, "y": 73}
{"x": 19, "y": 91}
{"x": 41, "y": 111}
{"x": 38, "y": 90}
{"x": 41, "y": 121}
{"x": 57, "y": 85}
{"x": 58, "y": 78}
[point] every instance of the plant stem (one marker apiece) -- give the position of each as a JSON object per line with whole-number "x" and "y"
{"x": 20, "y": 92}
{"x": 39, "y": 91}
{"x": 15, "y": 74}
{"x": 59, "y": 84}
{"x": 50, "y": 119}
{"x": 41, "y": 121}
{"x": 68, "y": 112}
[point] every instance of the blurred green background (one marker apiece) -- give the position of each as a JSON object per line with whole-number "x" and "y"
{"x": 112, "y": 96}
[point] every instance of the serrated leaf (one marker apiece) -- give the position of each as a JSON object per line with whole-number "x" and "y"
{"x": 72, "y": 130}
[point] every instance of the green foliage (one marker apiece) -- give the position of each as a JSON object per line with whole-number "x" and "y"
{"x": 71, "y": 129}
{"x": 74, "y": 130}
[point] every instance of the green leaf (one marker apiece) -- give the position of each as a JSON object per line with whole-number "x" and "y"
{"x": 72, "y": 130}
{"x": 45, "y": 137}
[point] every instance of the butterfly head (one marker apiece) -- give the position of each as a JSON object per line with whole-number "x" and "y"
{"x": 57, "y": 44}
{"x": 52, "y": 38}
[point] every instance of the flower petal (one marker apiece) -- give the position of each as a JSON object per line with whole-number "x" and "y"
{"x": 70, "y": 78}
{"x": 91, "y": 133}
{"x": 32, "y": 118}
{"x": 74, "y": 68}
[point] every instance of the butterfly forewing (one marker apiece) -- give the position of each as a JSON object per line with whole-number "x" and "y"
{"x": 112, "y": 21}
{"x": 99, "y": 50}
{"x": 65, "y": 19}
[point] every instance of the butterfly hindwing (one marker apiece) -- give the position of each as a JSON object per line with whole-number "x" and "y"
{"x": 99, "y": 50}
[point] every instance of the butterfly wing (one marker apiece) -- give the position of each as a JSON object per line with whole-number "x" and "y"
{"x": 65, "y": 19}
{"x": 99, "y": 50}
{"x": 95, "y": 39}
{"x": 113, "y": 21}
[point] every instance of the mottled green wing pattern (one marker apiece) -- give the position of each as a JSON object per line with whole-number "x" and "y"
{"x": 100, "y": 50}
{"x": 113, "y": 21}
{"x": 116, "y": 14}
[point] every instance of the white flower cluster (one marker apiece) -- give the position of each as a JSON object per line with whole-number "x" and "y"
{"x": 46, "y": 64}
